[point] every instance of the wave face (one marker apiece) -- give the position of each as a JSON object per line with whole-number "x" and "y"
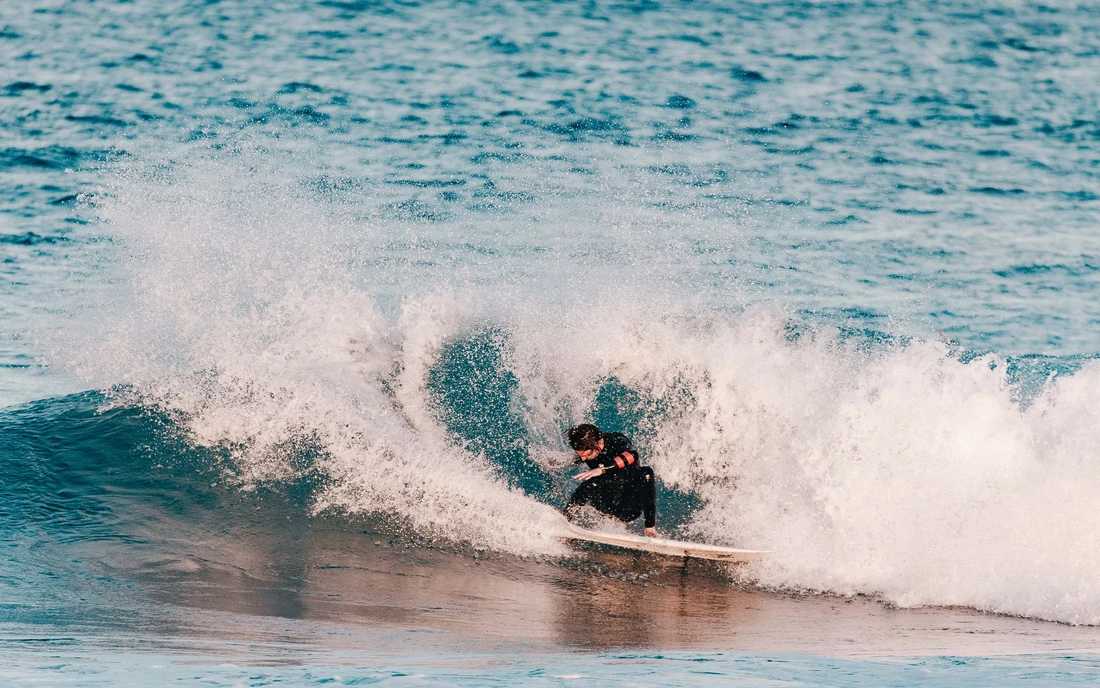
{"x": 875, "y": 464}
{"x": 373, "y": 258}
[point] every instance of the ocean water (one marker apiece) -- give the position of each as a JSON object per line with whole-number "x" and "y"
{"x": 300, "y": 297}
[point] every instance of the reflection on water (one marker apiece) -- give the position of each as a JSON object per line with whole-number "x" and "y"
{"x": 108, "y": 536}
{"x": 599, "y": 599}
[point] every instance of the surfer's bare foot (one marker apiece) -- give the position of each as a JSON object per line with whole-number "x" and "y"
{"x": 651, "y": 532}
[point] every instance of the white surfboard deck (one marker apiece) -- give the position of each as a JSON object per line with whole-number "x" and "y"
{"x": 671, "y": 548}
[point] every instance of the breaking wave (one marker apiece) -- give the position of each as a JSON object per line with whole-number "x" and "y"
{"x": 428, "y": 378}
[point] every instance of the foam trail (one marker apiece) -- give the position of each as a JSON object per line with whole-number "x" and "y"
{"x": 888, "y": 469}
{"x": 900, "y": 472}
{"x": 239, "y": 317}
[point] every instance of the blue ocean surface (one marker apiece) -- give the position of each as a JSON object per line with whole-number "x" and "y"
{"x": 299, "y": 298}
{"x": 268, "y": 666}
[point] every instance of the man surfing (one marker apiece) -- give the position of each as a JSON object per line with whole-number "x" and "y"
{"x": 615, "y": 483}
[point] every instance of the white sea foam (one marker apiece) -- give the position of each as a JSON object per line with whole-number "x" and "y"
{"x": 237, "y": 316}
{"x": 898, "y": 471}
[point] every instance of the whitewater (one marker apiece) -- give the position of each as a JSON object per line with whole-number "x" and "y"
{"x": 300, "y": 301}
{"x": 907, "y": 469}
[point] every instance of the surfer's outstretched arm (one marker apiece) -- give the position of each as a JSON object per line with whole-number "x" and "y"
{"x": 587, "y": 475}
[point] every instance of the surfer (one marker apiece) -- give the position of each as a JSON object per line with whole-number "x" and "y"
{"x": 615, "y": 483}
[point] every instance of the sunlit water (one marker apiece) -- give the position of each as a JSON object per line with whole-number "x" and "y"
{"x": 343, "y": 272}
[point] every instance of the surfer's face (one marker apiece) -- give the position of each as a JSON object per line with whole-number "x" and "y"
{"x": 589, "y": 454}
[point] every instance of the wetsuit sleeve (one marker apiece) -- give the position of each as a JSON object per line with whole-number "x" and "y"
{"x": 619, "y": 453}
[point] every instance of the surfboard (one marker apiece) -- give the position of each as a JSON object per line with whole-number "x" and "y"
{"x": 671, "y": 548}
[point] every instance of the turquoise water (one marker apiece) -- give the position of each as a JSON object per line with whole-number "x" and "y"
{"x": 665, "y": 669}
{"x": 299, "y": 298}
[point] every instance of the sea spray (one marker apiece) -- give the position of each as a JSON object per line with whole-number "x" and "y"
{"x": 897, "y": 471}
{"x": 238, "y": 319}
{"x": 886, "y": 466}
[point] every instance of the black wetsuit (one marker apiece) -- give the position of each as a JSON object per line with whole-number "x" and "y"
{"x": 626, "y": 490}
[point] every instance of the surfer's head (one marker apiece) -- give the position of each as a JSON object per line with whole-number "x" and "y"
{"x": 587, "y": 440}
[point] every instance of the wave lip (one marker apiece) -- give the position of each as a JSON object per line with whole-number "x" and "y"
{"x": 905, "y": 473}
{"x": 876, "y": 464}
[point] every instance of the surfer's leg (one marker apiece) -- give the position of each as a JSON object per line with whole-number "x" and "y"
{"x": 648, "y": 493}
{"x": 609, "y": 497}
{"x": 631, "y": 501}
{"x": 626, "y": 512}
{"x": 639, "y": 498}
{"x": 581, "y": 496}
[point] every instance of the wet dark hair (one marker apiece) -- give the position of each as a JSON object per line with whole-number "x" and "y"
{"x": 584, "y": 437}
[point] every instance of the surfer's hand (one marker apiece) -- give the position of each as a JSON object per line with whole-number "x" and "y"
{"x": 589, "y": 474}
{"x": 651, "y": 532}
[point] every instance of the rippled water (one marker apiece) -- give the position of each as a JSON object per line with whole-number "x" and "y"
{"x": 929, "y": 163}
{"x": 833, "y": 265}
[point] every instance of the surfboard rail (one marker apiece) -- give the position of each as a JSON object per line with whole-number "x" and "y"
{"x": 671, "y": 548}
